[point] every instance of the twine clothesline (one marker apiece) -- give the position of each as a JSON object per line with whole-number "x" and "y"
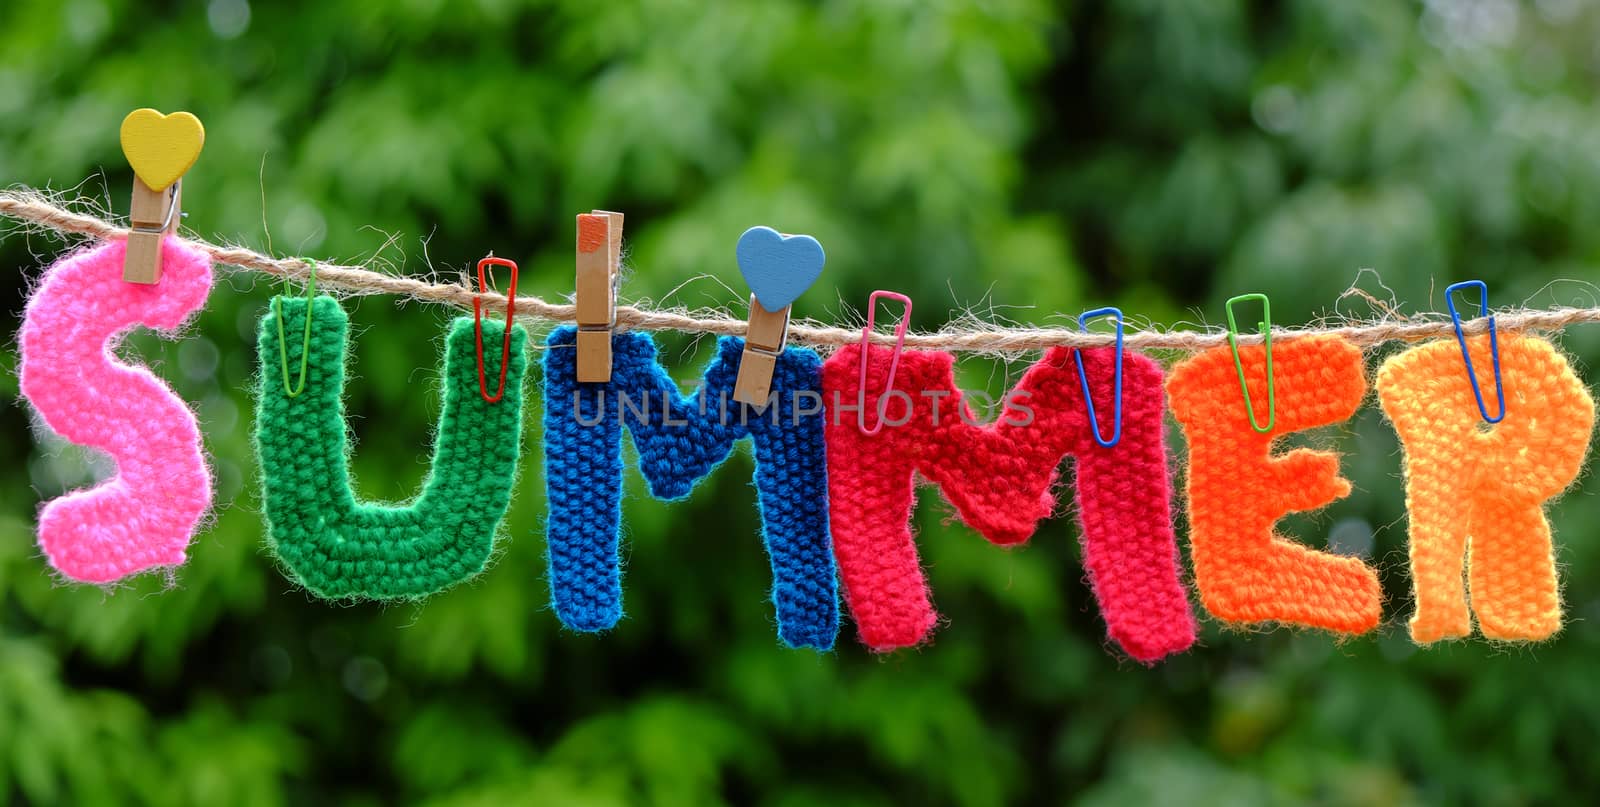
{"x": 34, "y": 207}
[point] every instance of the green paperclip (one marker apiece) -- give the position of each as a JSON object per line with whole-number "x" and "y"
{"x": 305, "y": 348}
{"x": 1233, "y": 342}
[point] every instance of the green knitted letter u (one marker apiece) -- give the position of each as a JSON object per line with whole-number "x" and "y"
{"x": 340, "y": 548}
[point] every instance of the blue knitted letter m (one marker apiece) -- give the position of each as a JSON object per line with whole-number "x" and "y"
{"x": 680, "y": 440}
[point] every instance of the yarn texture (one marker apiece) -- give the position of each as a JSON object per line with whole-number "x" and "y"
{"x": 1247, "y": 572}
{"x": 1475, "y": 494}
{"x": 1000, "y": 478}
{"x": 338, "y": 547}
{"x": 145, "y": 515}
{"x": 680, "y": 440}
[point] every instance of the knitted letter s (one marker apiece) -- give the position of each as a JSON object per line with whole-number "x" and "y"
{"x": 145, "y": 516}
{"x": 1479, "y": 492}
{"x": 1000, "y": 479}
{"x": 338, "y": 547}
{"x": 1237, "y": 488}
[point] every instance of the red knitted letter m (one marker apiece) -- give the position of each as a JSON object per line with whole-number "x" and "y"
{"x": 1000, "y": 477}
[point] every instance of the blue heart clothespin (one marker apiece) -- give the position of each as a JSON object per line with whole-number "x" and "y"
{"x": 778, "y": 267}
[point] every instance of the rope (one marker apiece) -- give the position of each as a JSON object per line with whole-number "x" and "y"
{"x": 31, "y": 206}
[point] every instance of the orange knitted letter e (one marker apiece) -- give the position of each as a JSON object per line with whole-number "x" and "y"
{"x": 1475, "y": 493}
{"x": 1238, "y": 488}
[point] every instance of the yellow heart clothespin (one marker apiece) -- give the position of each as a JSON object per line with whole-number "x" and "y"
{"x": 161, "y": 149}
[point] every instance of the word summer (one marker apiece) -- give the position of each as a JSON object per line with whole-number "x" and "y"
{"x": 838, "y": 450}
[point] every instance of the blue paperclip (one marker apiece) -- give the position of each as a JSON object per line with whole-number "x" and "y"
{"x": 1494, "y": 346}
{"x": 1088, "y": 401}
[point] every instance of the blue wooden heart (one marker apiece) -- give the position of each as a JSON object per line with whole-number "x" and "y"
{"x": 778, "y": 267}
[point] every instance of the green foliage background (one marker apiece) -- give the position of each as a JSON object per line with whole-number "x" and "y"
{"x": 1023, "y": 159}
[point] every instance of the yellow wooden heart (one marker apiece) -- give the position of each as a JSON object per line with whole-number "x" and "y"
{"x": 161, "y": 147}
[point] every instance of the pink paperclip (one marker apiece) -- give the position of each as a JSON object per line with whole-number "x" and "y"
{"x": 894, "y": 358}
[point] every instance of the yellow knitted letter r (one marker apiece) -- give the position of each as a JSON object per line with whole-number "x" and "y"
{"x": 1475, "y": 493}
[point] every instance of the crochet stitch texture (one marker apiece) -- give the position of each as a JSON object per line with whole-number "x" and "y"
{"x": 1475, "y": 495}
{"x": 1238, "y": 488}
{"x": 145, "y": 516}
{"x": 1000, "y": 477}
{"x": 680, "y": 440}
{"x": 340, "y": 548}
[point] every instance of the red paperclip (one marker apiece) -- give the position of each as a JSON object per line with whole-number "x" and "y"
{"x": 477, "y": 324}
{"x": 894, "y": 358}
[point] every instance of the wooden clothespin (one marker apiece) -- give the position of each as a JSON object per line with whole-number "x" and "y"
{"x": 764, "y": 339}
{"x": 599, "y": 264}
{"x": 778, "y": 268}
{"x": 161, "y": 149}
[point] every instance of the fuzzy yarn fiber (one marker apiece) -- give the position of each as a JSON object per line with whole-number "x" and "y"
{"x": 680, "y": 440}
{"x": 145, "y": 516}
{"x": 1475, "y": 493}
{"x": 338, "y": 547}
{"x": 1000, "y": 478}
{"x": 1238, "y": 488}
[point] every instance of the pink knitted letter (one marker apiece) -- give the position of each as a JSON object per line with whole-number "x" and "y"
{"x": 1000, "y": 478}
{"x": 145, "y": 515}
